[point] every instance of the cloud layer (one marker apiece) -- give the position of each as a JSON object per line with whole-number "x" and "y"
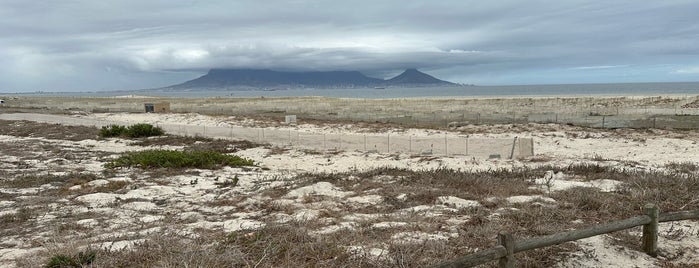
{"x": 97, "y": 45}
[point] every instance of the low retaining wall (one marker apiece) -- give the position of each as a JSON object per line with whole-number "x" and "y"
{"x": 448, "y": 144}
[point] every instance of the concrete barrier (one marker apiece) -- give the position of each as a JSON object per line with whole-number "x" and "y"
{"x": 440, "y": 144}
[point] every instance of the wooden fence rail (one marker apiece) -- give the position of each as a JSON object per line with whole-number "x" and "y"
{"x": 507, "y": 247}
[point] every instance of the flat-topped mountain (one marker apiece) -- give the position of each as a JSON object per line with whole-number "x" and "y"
{"x": 222, "y": 78}
{"x": 269, "y": 79}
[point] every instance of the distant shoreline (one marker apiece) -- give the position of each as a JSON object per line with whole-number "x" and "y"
{"x": 458, "y": 92}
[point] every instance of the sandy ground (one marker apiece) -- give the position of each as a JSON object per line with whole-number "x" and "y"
{"x": 555, "y": 145}
{"x": 552, "y": 141}
{"x": 610, "y": 111}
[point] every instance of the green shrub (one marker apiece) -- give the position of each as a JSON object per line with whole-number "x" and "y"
{"x": 178, "y": 159}
{"x": 133, "y": 131}
{"x": 64, "y": 261}
{"x": 112, "y": 131}
{"x": 143, "y": 130}
{"x": 60, "y": 260}
{"x": 86, "y": 257}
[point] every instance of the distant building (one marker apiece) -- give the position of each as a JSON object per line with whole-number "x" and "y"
{"x": 163, "y": 107}
{"x": 290, "y": 119}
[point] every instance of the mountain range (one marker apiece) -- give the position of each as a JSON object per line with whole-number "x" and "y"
{"x": 251, "y": 79}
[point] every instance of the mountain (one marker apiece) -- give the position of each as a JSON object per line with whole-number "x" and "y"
{"x": 241, "y": 79}
{"x": 415, "y": 77}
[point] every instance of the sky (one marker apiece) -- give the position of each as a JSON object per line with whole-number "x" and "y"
{"x": 87, "y": 45}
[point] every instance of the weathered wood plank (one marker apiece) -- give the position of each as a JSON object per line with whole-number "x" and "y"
{"x": 554, "y": 239}
{"x": 678, "y": 216}
{"x": 477, "y": 258}
{"x": 501, "y": 251}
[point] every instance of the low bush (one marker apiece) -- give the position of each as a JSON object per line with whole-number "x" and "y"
{"x": 178, "y": 159}
{"x": 64, "y": 261}
{"x": 684, "y": 167}
{"x": 143, "y": 130}
{"x": 133, "y": 131}
{"x": 112, "y": 131}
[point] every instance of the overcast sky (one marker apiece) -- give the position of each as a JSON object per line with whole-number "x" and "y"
{"x": 85, "y": 45}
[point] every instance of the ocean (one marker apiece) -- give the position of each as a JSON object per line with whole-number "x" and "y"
{"x": 613, "y": 89}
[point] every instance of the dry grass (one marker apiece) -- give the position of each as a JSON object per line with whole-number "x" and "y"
{"x": 683, "y": 167}
{"x": 290, "y": 245}
{"x": 74, "y": 178}
{"x": 293, "y": 244}
{"x": 587, "y": 206}
{"x": 196, "y": 143}
{"x": 428, "y": 185}
{"x": 48, "y": 131}
{"x": 22, "y": 215}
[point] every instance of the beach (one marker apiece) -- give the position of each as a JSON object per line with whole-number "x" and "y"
{"x": 372, "y": 204}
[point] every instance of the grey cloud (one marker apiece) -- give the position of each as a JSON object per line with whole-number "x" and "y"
{"x": 63, "y": 44}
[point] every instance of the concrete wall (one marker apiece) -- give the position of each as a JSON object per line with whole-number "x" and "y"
{"x": 440, "y": 144}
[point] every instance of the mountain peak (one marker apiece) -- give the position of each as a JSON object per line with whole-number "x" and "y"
{"x": 245, "y": 79}
{"x": 412, "y": 76}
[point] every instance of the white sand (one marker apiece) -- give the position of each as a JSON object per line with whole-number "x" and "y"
{"x": 559, "y": 148}
{"x": 557, "y": 145}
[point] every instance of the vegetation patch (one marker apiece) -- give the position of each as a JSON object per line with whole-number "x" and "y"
{"x": 290, "y": 246}
{"x": 198, "y": 143}
{"x": 178, "y": 159}
{"x": 22, "y": 215}
{"x": 36, "y": 180}
{"x": 64, "y": 261}
{"x": 45, "y": 130}
{"x": 425, "y": 186}
{"x": 112, "y": 131}
{"x": 684, "y": 167}
{"x": 133, "y": 131}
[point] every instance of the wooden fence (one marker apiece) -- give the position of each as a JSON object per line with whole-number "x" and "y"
{"x": 507, "y": 247}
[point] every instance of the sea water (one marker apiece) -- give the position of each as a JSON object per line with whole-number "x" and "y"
{"x": 617, "y": 89}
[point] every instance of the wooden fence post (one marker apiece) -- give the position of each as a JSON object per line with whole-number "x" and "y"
{"x": 506, "y": 240}
{"x": 446, "y": 147}
{"x": 504, "y": 251}
{"x": 603, "y": 117}
{"x": 466, "y": 146}
{"x": 365, "y": 143}
{"x": 650, "y": 230}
